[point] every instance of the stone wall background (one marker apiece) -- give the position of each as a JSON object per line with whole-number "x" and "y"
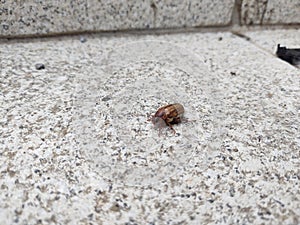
{"x": 48, "y": 17}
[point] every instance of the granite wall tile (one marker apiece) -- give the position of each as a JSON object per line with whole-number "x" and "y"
{"x": 120, "y": 15}
{"x": 34, "y": 17}
{"x": 170, "y": 13}
{"x": 270, "y": 12}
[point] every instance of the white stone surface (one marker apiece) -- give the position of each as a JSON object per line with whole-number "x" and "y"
{"x": 237, "y": 163}
{"x": 269, "y": 39}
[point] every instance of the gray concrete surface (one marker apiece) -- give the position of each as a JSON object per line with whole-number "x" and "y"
{"x": 76, "y": 146}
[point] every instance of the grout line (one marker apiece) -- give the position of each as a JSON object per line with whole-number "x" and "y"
{"x": 157, "y": 31}
{"x": 265, "y": 6}
{"x": 154, "y": 8}
{"x": 236, "y": 13}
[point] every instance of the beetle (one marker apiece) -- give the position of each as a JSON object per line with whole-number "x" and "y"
{"x": 168, "y": 115}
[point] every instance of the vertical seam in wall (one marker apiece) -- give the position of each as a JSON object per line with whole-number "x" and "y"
{"x": 86, "y": 9}
{"x": 154, "y": 8}
{"x": 236, "y": 13}
{"x": 264, "y": 12}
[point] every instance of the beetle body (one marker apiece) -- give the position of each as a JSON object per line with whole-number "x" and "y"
{"x": 168, "y": 115}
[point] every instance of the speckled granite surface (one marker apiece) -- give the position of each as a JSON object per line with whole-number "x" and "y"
{"x": 77, "y": 147}
{"x": 270, "y": 12}
{"x": 43, "y": 17}
{"x": 19, "y": 18}
{"x": 269, "y": 39}
{"x": 192, "y": 13}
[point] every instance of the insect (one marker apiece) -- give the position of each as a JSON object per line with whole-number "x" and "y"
{"x": 168, "y": 115}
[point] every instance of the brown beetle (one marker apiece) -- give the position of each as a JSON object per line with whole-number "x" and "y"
{"x": 168, "y": 115}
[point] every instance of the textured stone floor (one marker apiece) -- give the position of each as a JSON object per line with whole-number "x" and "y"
{"x": 76, "y": 146}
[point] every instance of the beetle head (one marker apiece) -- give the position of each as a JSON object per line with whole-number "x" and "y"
{"x": 158, "y": 122}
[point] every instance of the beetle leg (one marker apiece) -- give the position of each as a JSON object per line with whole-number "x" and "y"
{"x": 174, "y": 131}
{"x": 171, "y": 127}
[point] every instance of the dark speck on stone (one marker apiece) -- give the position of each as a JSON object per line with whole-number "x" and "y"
{"x": 106, "y": 98}
{"x": 39, "y": 66}
{"x": 82, "y": 39}
{"x": 5, "y": 27}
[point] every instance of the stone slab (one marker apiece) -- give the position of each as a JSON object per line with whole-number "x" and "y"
{"x": 192, "y": 13}
{"x": 270, "y": 12}
{"x": 269, "y": 39}
{"x": 21, "y": 18}
{"x": 238, "y": 162}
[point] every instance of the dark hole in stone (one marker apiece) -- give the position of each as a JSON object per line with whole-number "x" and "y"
{"x": 291, "y": 56}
